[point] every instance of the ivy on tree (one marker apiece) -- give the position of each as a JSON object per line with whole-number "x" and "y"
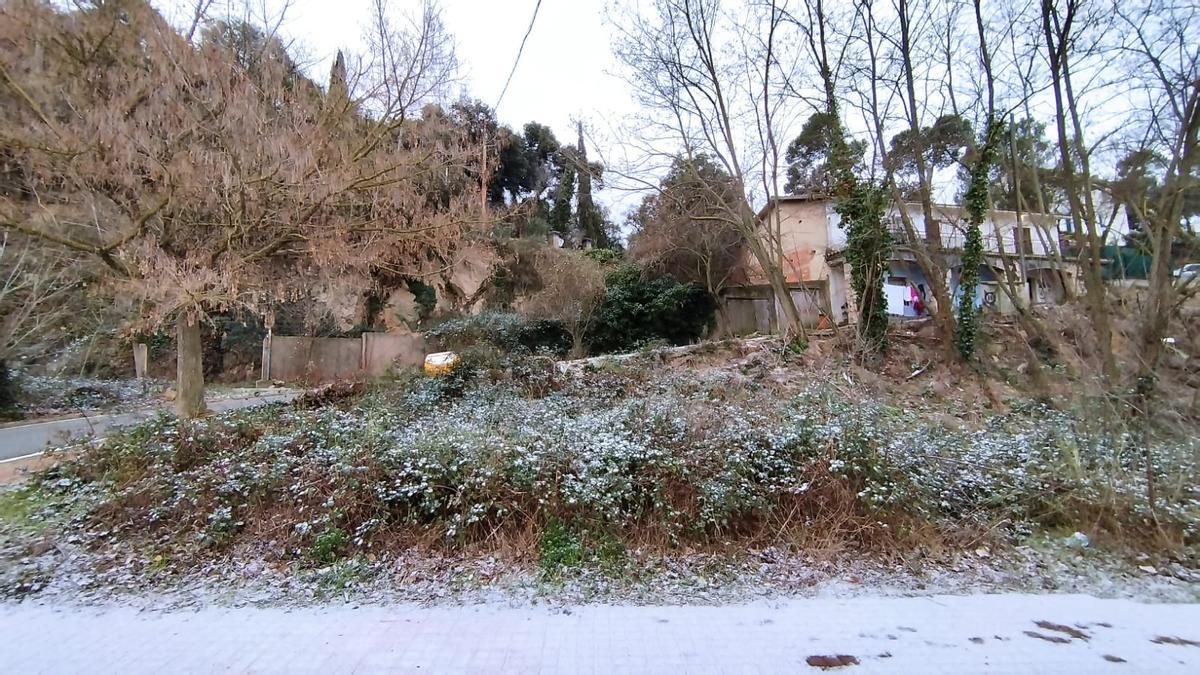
{"x": 977, "y": 202}
{"x": 860, "y": 205}
{"x": 868, "y": 251}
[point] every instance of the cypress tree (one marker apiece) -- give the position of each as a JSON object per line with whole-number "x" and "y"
{"x": 590, "y": 221}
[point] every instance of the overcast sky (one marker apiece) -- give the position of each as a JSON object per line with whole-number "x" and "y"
{"x": 565, "y": 72}
{"x": 562, "y": 74}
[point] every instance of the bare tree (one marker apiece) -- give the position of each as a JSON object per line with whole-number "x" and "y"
{"x": 858, "y": 199}
{"x": 682, "y": 232}
{"x": 1061, "y": 21}
{"x": 572, "y": 290}
{"x": 926, "y": 245}
{"x": 884, "y": 51}
{"x": 36, "y": 289}
{"x": 409, "y": 62}
{"x": 204, "y": 181}
{"x": 714, "y": 83}
{"x": 1165, "y": 62}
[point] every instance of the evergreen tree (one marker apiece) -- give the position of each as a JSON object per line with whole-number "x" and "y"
{"x": 809, "y": 156}
{"x": 591, "y": 221}
{"x": 943, "y": 144}
{"x": 338, "y": 95}
{"x": 560, "y": 212}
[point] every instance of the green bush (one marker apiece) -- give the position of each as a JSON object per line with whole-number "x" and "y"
{"x": 558, "y": 549}
{"x": 605, "y": 461}
{"x": 638, "y": 309}
{"x": 329, "y": 545}
{"x": 603, "y": 256}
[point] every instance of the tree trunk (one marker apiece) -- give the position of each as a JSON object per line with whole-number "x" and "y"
{"x": 794, "y": 326}
{"x": 578, "y": 348}
{"x": 189, "y": 375}
{"x": 8, "y": 390}
{"x": 1082, "y": 207}
{"x": 723, "y": 328}
{"x": 791, "y": 324}
{"x": 926, "y": 248}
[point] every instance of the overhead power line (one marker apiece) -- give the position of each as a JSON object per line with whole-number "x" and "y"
{"x": 521, "y": 49}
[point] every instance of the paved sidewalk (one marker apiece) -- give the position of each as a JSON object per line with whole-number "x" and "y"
{"x": 983, "y": 633}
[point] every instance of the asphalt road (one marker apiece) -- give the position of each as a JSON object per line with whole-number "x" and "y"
{"x": 27, "y": 439}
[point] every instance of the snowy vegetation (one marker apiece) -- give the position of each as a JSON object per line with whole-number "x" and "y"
{"x": 619, "y": 455}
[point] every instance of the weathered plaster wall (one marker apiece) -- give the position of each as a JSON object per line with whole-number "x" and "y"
{"x": 803, "y": 229}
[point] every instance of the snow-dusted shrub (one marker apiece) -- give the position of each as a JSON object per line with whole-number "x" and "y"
{"x": 507, "y": 331}
{"x": 606, "y": 452}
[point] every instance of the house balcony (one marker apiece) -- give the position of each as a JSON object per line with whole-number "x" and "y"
{"x": 953, "y": 240}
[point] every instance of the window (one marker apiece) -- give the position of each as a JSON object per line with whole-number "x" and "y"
{"x": 1026, "y": 240}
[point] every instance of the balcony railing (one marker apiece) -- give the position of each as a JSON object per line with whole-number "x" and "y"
{"x": 954, "y": 240}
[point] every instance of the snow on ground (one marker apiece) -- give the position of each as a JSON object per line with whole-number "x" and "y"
{"x": 43, "y": 395}
{"x": 935, "y": 634}
{"x": 67, "y": 574}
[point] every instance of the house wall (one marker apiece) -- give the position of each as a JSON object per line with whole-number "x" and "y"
{"x": 999, "y": 230}
{"x": 810, "y": 230}
{"x": 1050, "y": 287}
{"x": 803, "y": 228}
{"x": 841, "y": 296}
{"x": 989, "y": 297}
{"x": 834, "y": 234}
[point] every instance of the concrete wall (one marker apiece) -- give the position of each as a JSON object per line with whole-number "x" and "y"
{"x": 311, "y": 360}
{"x": 384, "y": 351}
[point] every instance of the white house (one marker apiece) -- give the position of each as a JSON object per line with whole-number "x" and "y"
{"x": 818, "y": 276}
